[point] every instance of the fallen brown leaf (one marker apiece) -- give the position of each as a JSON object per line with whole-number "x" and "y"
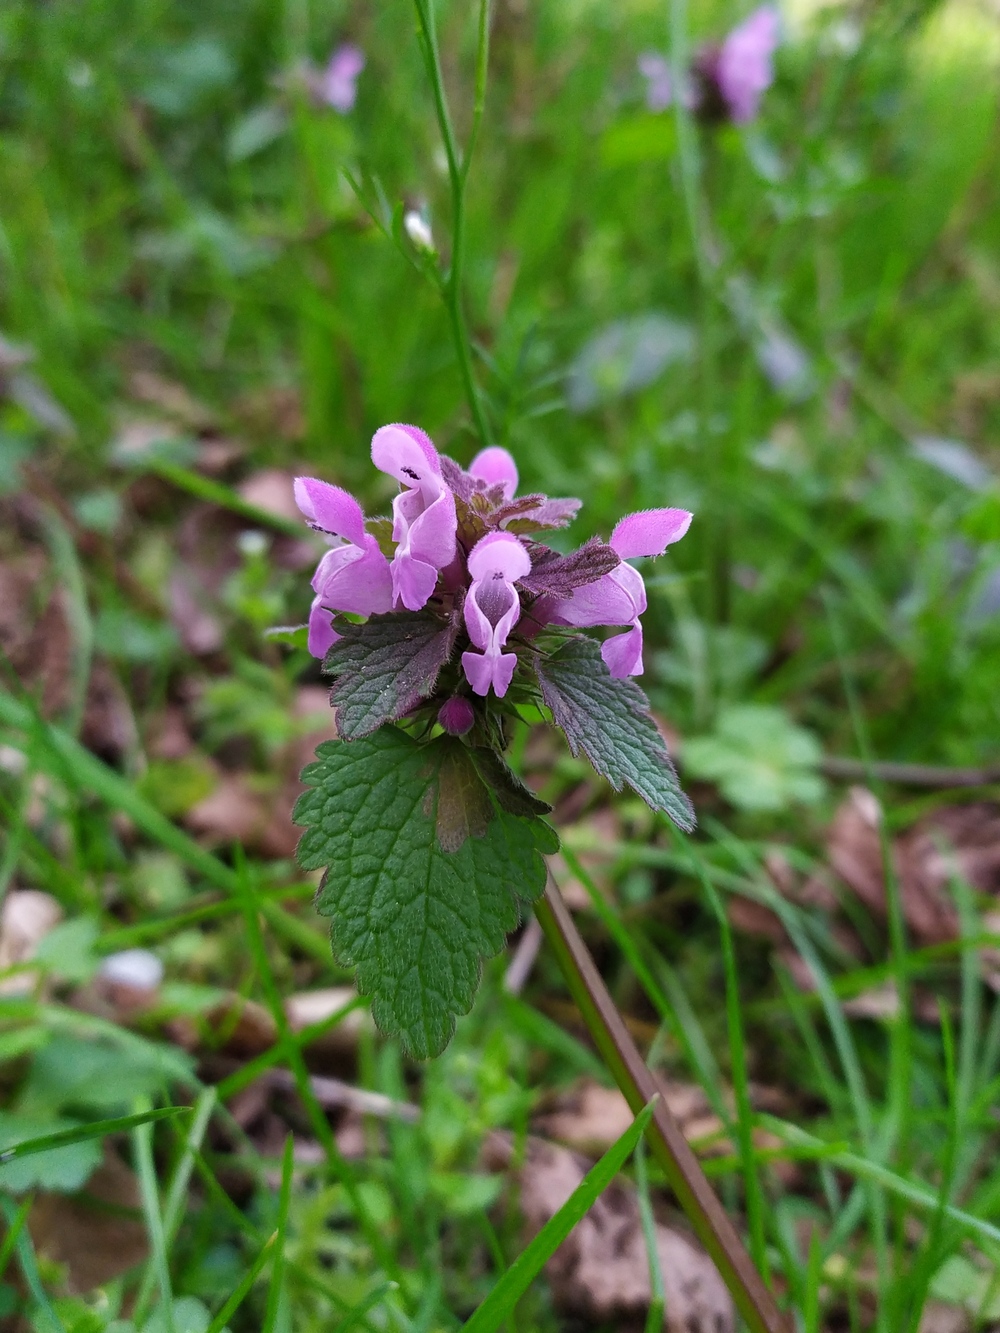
{"x": 98, "y": 1233}
{"x": 26, "y": 916}
{"x": 602, "y": 1270}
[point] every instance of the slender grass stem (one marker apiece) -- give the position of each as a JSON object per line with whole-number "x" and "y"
{"x": 458, "y": 172}
{"x": 714, "y": 1229}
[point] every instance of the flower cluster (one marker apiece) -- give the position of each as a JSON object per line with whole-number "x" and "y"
{"x": 728, "y": 79}
{"x": 461, "y": 545}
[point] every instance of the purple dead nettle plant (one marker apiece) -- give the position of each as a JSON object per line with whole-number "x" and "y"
{"x": 727, "y": 79}
{"x": 440, "y": 627}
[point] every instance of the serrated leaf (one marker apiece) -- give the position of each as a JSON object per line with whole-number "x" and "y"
{"x": 609, "y": 720}
{"x": 557, "y": 513}
{"x": 558, "y": 575}
{"x": 385, "y": 666}
{"x": 510, "y": 792}
{"x": 415, "y": 919}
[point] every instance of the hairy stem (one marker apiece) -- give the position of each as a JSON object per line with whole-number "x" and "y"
{"x": 715, "y": 1231}
{"x": 458, "y": 172}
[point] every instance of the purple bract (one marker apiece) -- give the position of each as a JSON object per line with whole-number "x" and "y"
{"x": 463, "y": 549}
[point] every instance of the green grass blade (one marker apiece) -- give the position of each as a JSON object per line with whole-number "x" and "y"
{"x": 274, "y": 1290}
{"x": 243, "y": 1288}
{"x": 94, "y": 1129}
{"x": 47, "y": 1321}
{"x": 529, "y": 1263}
{"x": 142, "y": 1138}
{"x": 177, "y": 1191}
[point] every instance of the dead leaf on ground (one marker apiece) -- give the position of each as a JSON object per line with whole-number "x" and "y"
{"x": 155, "y": 390}
{"x": 26, "y": 917}
{"x": 309, "y": 1007}
{"x": 34, "y": 628}
{"x": 273, "y": 411}
{"x": 937, "y": 1317}
{"x": 953, "y": 842}
{"x": 590, "y": 1118}
{"x": 270, "y": 489}
{"x": 109, "y": 725}
{"x": 601, "y": 1271}
{"x": 98, "y": 1233}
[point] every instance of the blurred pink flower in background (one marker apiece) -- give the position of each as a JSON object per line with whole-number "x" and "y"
{"x": 659, "y": 85}
{"x": 744, "y": 69}
{"x": 730, "y": 77}
{"x": 337, "y": 85}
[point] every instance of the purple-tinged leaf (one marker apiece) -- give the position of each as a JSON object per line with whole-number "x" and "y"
{"x": 609, "y": 720}
{"x": 472, "y": 528}
{"x": 557, "y": 575}
{"x": 549, "y": 514}
{"x": 385, "y": 667}
{"x": 457, "y": 479}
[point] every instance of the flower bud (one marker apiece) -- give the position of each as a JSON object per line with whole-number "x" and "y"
{"x": 457, "y": 716}
{"x": 418, "y": 229}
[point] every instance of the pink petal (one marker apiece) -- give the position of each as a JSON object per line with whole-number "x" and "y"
{"x": 482, "y": 671}
{"x": 744, "y": 70}
{"x": 604, "y": 602}
{"x": 623, "y": 654}
{"x": 649, "y": 532}
{"x": 330, "y": 508}
{"x": 499, "y": 553}
{"x": 321, "y": 633}
{"x": 431, "y": 535}
{"x": 413, "y": 582}
{"x": 495, "y": 465}
{"x": 406, "y": 453}
{"x": 361, "y": 585}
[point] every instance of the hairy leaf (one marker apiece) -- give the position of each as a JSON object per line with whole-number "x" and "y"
{"x": 384, "y": 667}
{"x": 426, "y": 874}
{"x": 510, "y": 792}
{"x": 609, "y": 721}
{"x": 558, "y": 575}
{"x": 545, "y": 516}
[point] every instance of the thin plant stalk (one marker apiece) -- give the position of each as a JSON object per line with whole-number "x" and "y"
{"x": 458, "y": 174}
{"x": 716, "y": 1232}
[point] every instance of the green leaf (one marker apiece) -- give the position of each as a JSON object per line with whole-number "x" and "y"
{"x": 295, "y": 636}
{"x": 60, "y": 1166}
{"x": 427, "y": 874}
{"x": 64, "y": 1167}
{"x": 530, "y": 1262}
{"x": 609, "y": 721}
{"x": 758, "y": 757}
{"x": 385, "y": 667}
{"x": 510, "y": 792}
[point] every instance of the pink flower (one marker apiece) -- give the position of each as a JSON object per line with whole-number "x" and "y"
{"x": 337, "y": 84}
{"x": 744, "y": 67}
{"x": 659, "y": 84}
{"x": 424, "y": 518}
{"x": 495, "y": 466}
{"x": 492, "y": 609}
{"x": 354, "y": 576}
{"x": 619, "y": 598}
